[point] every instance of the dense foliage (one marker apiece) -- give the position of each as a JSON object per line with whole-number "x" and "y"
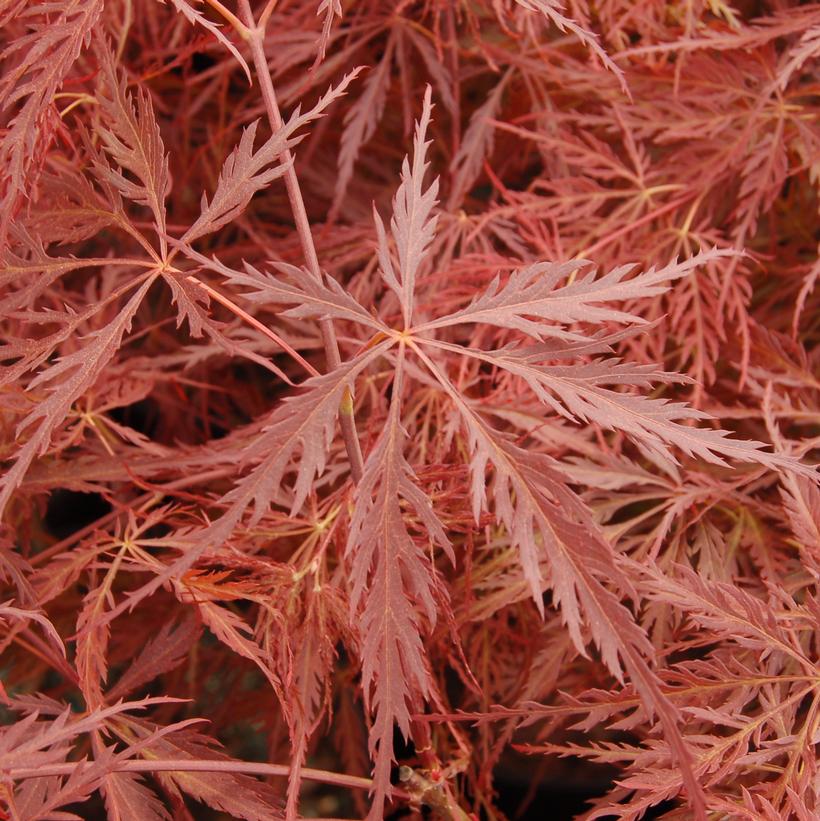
{"x": 394, "y": 394}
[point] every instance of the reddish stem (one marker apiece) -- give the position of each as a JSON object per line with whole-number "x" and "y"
{"x": 255, "y": 37}
{"x": 206, "y": 766}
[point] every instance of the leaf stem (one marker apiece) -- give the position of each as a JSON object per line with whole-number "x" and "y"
{"x": 231, "y": 18}
{"x": 347, "y": 421}
{"x": 251, "y": 320}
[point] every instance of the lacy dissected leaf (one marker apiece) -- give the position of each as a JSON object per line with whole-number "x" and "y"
{"x": 42, "y": 797}
{"x": 503, "y": 393}
{"x": 360, "y": 122}
{"x": 393, "y": 585}
{"x": 534, "y": 301}
{"x": 406, "y": 43}
{"x": 127, "y": 798}
{"x": 192, "y": 304}
{"x": 132, "y": 139}
{"x": 35, "y": 67}
{"x": 553, "y": 10}
{"x": 476, "y": 144}
{"x": 301, "y": 424}
{"x": 65, "y": 382}
{"x": 31, "y": 352}
{"x": 412, "y": 225}
{"x": 246, "y": 171}
{"x": 166, "y": 651}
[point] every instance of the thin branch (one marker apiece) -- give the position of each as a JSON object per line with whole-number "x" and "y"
{"x": 347, "y": 419}
{"x": 204, "y": 766}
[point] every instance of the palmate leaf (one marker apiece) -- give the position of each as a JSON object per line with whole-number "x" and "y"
{"x": 559, "y": 546}
{"x": 302, "y": 425}
{"x": 392, "y": 582}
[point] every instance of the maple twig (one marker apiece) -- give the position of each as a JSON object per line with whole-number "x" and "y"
{"x": 206, "y": 766}
{"x": 347, "y": 420}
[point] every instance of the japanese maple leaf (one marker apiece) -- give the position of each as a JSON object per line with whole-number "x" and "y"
{"x": 568, "y": 369}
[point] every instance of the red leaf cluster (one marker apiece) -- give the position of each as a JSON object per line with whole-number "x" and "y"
{"x": 394, "y": 394}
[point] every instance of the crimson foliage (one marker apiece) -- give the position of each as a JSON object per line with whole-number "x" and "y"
{"x": 442, "y": 368}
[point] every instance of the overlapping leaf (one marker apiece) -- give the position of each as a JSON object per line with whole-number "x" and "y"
{"x": 35, "y": 67}
{"x": 64, "y": 382}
